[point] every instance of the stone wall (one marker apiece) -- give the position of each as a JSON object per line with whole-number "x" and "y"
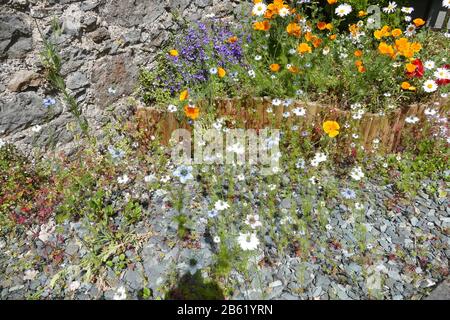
{"x": 103, "y": 44}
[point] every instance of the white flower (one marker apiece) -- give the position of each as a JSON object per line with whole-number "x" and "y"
{"x": 318, "y": 159}
{"x": 326, "y": 51}
{"x": 2, "y": 143}
{"x": 236, "y": 148}
{"x": 221, "y": 205}
{"x": 392, "y": 6}
{"x": 248, "y": 241}
{"x": 253, "y": 221}
{"x": 120, "y": 294}
{"x": 259, "y": 9}
{"x": 123, "y": 179}
{"x": 30, "y": 275}
{"x": 442, "y": 74}
{"x": 299, "y": 112}
{"x": 284, "y": 12}
{"x": 412, "y": 120}
{"x": 171, "y": 108}
{"x": 357, "y": 173}
{"x": 410, "y": 30}
{"x": 252, "y": 73}
{"x": 446, "y": 4}
{"x": 184, "y": 173}
{"x": 241, "y": 177}
{"x": 408, "y": 18}
{"x": 430, "y": 86}
{"x": 407, "y": 10}
{"x": 258, "y": 58}
{"x": 276, "y": 102}
{"x": 216, "y": 239}
{"x": 292, "y": 51}
{"x": 111, "y": 90}
{"x": 150, "y": 178}
{"x": 74, "y": 286}
{"x": 359, "y": 206}
{"x": 429, "y": 64}
{"x": 343, "y": 10}
{"x": 46, "y": 231}
{"x": 430, "y": 112}
{"x": 213, "y": 70}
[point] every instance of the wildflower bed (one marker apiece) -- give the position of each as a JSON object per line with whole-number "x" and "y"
{"x": 350, "y": 211}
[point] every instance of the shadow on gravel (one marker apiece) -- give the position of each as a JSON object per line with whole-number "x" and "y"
{"x": 194, "y": 287}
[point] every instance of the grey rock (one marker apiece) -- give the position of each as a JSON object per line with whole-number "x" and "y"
{"x": 15, "y": 36}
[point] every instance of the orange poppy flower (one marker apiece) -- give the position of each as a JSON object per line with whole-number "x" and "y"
{"x": 191, "y": 111}
{"x": 275, "y": 67}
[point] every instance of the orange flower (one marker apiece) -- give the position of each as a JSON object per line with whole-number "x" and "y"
{"x": 331, "y": 128}
{"x": 232, "y": 39}
{"x": 333, "y": 37}
{"x": 294, "y": 69}
{"x": 396, "y": 33}
{"x": 294, "y": 29}
{"x": 316, "y": 42}
{"x": 221, "y": 72}
{"x": 191, "y": 111}
{"x": 309, "y": 36}
{"x": 331, "y": 1}
{"x": 359, "y": 64}
{"x": 184, "y": 95}
{"x": 261, "y": 26}
{"x": 411, "y": 67}
{"x": 386, "y": 49}
{"x": 358, "y": 53}
{"x": 304, "y": 48}
{"x": 275, "y": 67}
{"x": 407, "y": 86}
{"x": 418, "y": 22}
{"x": 321, "y": 25}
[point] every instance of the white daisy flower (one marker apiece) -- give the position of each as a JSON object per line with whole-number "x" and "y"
{"x": 248, "y": 241}
{"x": 343, "y": 10}
{"x": 258, "y": 58}
{"x": 259, "y": 9}
{"x": 252, "y": 74}
{"x": 408, "y": 18}
{"x": 430, "y": 65}
{"x": 213, "y": 70}
{"x": 392, "y": 6}
{"x": 216, "y": 239}
{"x": 430, "y": 86}
{"x": 446, "y": 4}
{"x": 410, "y": 30}
{"x": 442, "y": 73}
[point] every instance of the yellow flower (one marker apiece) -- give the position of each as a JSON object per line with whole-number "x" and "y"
{"x": 331, "y": 128}
{"x": 184, "y": 95}
{"x": 362, "y": 14}
{"x": 221, "y": 72}
{"x": 232, "y": 39}
{"x": 173, "y": 53}
{"x": 331, "y": 1}
{"x": 191, "y": 111}
{"x": 304, "y": 48}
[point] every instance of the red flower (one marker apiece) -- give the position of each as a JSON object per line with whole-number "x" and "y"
{"x": 443, "y": 82}
{"x": 420, "y": 70}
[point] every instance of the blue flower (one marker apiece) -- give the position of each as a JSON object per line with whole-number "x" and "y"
{"x": 116, "y": 154}
{"x": 48, "y": 102}
{"x": 348, "y": 194}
